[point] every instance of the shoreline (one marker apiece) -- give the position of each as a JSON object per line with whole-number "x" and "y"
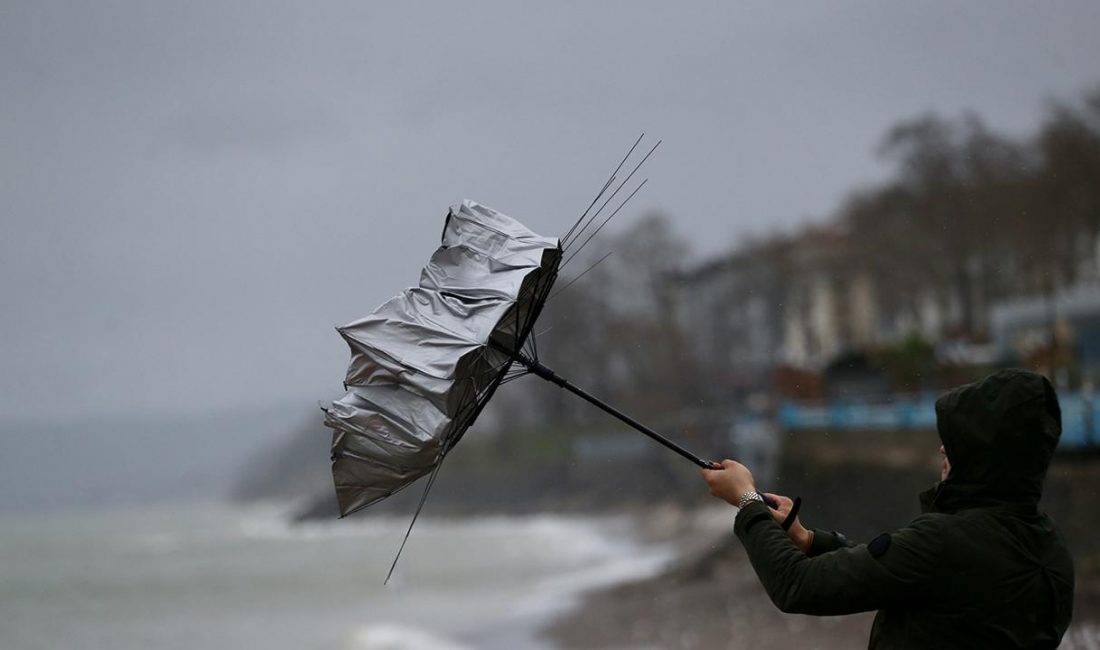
{"x": 649, "y": 546}
{"x": 617, "y": 548}
{"x": 667, "y": 535}
{"x": 708, "y": 598}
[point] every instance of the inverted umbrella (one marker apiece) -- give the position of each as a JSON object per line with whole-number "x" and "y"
{"x": 426, "y": 362}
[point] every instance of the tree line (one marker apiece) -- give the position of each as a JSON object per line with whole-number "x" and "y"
{"x": 967, "y": 217}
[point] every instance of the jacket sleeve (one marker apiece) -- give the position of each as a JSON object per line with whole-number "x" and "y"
{"x": 826, "y": 541}
{"x": 848, "y": 579}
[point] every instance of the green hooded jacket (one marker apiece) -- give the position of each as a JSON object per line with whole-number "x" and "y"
{"x": 981, "y": 568}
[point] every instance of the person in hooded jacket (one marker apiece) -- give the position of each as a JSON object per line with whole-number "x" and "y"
{"x": 982, "y": 567}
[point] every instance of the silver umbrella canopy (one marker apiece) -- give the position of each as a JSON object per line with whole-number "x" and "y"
{"x": 426, "y": 362}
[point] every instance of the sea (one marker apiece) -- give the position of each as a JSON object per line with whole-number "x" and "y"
{"x": 214, "y": 576}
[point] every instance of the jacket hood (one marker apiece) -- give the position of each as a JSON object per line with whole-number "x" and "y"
{"x": 999, "y": 435}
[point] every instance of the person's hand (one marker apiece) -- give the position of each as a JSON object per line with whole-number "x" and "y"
{"x": 799, "y": 534}
{"x": 730, "y": 482}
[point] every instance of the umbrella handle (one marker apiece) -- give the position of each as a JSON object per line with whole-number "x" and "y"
{"x": 788, "y": 521}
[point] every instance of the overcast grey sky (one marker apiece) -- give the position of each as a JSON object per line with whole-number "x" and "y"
{"x": 194, "y": 193}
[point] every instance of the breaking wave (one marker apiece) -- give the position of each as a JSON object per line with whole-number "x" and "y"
{"x": 388, "y": 636}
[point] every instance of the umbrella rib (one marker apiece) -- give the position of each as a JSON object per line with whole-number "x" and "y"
{"x": 419, "y": 507}
{"x": 613, "y": 194}
{"x": 589, "y": 208}
{"x": 610, "y": 180}
{"x": 521, "y": 328}
{"x": 613, "y": 178}
{"x": 471, "y": 410}
{"x": 597, "y": 230}
{"x": 570, "y": 283}
{"x": 542, "y": 290}
{"x": 529, "y": 343}
{"x": 518, "y": 340}
{"x": 509, "y": 379}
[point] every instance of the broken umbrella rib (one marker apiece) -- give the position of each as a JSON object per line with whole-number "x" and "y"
{"x": 576, "y": 236}
{"x": 607, "y": 184}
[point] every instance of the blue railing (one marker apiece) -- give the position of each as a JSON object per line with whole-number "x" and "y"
{"x": 1080, "y": 416}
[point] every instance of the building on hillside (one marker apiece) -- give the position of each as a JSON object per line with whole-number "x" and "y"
{"x": 1067, "y": 322}
{"x": 829, "y": 302}
{"x": 808, "y": 302}
{"x": 731, "y": 308}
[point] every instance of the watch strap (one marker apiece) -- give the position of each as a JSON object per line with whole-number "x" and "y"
{"x": 749, "y": 497}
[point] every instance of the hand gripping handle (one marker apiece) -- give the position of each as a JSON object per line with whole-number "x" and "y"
{"x": 788, "y": 521}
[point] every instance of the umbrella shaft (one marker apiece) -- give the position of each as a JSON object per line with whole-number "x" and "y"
{"x": 549, "y": 375}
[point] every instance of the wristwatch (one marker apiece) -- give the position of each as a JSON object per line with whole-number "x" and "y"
{"x": 749, "y": 497}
